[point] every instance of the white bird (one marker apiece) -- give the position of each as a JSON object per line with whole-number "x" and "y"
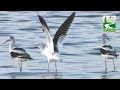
{"x": 107, "y": 51}
{"x": 18, "y": 54}
{"x": 53, "y": 45}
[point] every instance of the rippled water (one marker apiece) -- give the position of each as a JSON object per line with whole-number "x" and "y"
{"x": 80, "y": 54}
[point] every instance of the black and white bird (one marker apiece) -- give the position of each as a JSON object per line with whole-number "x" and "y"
{"x": 19, "y": 54}
{"x": 107, "y": 51}
{"x": 53, "y": 45}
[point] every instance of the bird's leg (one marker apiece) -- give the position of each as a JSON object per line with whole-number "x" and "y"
{"x": 48, "y": 66}
{"x": 105, "y": 66}
{"x": 114, "y": 65}
{"x": 55, "y": 66}
{"x": 21, "y": 67}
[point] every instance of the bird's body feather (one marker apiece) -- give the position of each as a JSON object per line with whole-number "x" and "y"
{"x": 53, "y": 45}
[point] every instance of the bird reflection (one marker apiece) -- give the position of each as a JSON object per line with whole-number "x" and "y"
{"x": 13, "y": 77}
{"x": 52, "y": 75}
{"x": 105, "y": 76}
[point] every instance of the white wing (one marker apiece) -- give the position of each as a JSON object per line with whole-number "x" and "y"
{"x": 41, "y": 46}
{"x": 49, "y": 40}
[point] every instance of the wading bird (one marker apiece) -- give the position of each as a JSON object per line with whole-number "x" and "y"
{"x": 107, "y": 51}
{"x": 19, "y": 54}
{"x": 53, "y": 45}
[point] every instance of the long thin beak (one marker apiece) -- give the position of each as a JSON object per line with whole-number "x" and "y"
{"x": 4, "y": 42}
{"x": 108, "y": 38}
{"x": 38, "y": 45}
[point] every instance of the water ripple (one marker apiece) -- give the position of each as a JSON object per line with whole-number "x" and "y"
{"x": 80, "y": 52}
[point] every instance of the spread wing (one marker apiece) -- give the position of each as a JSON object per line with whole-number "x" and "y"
{"x": 49, "y": 40}
{"x": 62, "y": 32}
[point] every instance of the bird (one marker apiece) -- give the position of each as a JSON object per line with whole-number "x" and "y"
{"x": 52, "y": 48}
{"x": 19, "y": 54}
{"x": 107, "y": 51}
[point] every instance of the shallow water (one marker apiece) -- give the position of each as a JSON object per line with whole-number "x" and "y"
{"x": 80, "y": 54}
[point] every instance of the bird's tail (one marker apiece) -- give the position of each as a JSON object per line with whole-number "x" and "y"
{"x": 116, "y": 53}
{"x": 31, "y": 59}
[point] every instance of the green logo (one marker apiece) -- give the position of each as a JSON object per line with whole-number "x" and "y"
{"x": 109, "y": 23}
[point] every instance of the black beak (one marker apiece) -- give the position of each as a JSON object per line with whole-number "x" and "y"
{"x": 108, "y": 38}
{"x": 5, "y": 42}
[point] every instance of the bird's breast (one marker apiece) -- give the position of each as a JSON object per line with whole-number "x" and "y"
{"x": 51, "y": 56}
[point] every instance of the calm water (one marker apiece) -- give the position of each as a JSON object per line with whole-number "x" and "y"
{"x": 80, "y": 54}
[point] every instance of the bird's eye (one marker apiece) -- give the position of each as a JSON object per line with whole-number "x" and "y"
{"x": 11, "y": 37}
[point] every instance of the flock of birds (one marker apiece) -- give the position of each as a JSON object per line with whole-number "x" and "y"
{"x": 52, "y": 48}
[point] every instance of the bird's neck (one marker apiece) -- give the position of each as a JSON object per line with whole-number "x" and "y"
{"x": 11, "y": 45}
{"x": 41, "y": 46}
{"x": 103, "y": 41}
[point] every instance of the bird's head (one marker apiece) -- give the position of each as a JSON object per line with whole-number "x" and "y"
{"x": 105, "y": 36}
{"x": 11, "y": 38}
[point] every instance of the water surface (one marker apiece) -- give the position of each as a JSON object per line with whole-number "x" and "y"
{"x": 81, "y": 58}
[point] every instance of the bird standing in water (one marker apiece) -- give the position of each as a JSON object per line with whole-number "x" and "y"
{"x": 107, "y": 51}
{"x": 18, "y": 54}
{"x": 53, "y": 45}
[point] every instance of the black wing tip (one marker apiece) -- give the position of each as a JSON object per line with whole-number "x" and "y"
{"x": 117, "y": 55}
{"x": 40, "y": 17}
{"x": 71, "y": 17}
{"x": 41, "y": 20}
{"x": 73, "y": 14}
{"x": 31, "y": 59}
